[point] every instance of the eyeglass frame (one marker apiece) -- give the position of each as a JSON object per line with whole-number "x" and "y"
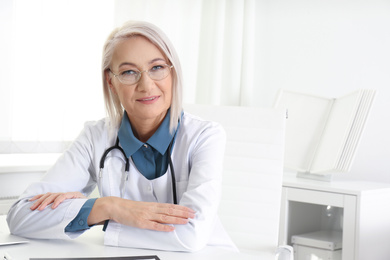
{"x": 140, "y": 74}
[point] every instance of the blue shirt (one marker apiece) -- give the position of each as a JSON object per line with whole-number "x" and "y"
{"x": 150, "y": 158}
{"x": 80, "y": 221}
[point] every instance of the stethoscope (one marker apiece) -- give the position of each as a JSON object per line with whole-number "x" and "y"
{"x": 127, "y": 168}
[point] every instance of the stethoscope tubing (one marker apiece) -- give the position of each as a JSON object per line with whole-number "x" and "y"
{"x": 116, "y": 146}
{"x": 127, "y": 168}
{"x": 172, "y": 174}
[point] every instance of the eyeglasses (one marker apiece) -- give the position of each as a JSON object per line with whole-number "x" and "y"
{"x": 157, "y": 72}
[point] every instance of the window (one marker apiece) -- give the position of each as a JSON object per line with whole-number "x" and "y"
{"x": 50, "y": 77}
{"x": 51, "y": 80}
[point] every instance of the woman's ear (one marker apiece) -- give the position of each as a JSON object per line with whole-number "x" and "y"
{"x": 107, "y": 76}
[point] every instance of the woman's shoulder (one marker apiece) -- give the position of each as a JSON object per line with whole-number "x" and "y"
{"x": 197, "y": 124}
{"x": 195, "y": 131}
{"x": 100, "y": 123}
{"x": 100, "y": 128}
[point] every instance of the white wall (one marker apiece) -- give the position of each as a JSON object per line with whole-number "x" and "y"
{"x": 50, "y": 56}
{"x": 324, "y": 47}
{"x": 331, "y": 48}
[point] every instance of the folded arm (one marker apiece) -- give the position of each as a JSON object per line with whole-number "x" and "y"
{"x": 144, "y": 215}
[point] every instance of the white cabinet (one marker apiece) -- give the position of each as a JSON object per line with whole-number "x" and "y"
{"x": 361, "y": 210}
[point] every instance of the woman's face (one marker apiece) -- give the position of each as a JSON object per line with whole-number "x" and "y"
{"x": 147, "y": 100}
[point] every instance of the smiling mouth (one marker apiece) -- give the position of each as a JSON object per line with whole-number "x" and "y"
{"x": 147, "y": 99}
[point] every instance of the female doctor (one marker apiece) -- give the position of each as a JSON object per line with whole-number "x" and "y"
{"x": 158, "y": 169}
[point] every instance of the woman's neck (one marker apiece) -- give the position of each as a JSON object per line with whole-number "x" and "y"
{"x": 144, "y": 129}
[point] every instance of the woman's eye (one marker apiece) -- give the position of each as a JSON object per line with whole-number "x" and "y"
{"x": 157, "y": 67}
{"x": 129, "y": 73}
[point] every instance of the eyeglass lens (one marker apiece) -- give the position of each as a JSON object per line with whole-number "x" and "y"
{"x": 157, "y": 72}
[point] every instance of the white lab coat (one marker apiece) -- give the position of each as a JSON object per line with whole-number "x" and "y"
{"x": 197, "y": 160}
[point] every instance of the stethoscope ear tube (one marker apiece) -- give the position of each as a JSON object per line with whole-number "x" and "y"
{"x": 172, "y": 175}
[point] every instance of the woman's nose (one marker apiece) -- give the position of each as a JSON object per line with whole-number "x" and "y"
{"x": 145, "y": 83}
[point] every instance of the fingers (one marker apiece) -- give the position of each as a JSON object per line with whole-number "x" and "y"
{"x": 36, "y": 197}
{"x": 181, "y": 211}
{"x": 175, "y": 212}
{"x": 165, "y": 219}
{"x": 59, "y": 199}
{"x": 149, "y": 215}
{"x": 167, "y": 215}
{"x": 64, "y": 196}
{"x": 43, "y": 200}
{"x": 162, "y": 227}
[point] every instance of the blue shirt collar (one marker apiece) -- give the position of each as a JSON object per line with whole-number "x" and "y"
{"x": 160, "y": 140}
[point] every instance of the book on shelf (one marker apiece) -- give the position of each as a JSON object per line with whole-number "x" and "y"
{"x": 322, "y": 134}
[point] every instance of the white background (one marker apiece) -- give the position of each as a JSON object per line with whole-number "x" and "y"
{"x": 327, "y": 48}
{"x": 331, "y": 48}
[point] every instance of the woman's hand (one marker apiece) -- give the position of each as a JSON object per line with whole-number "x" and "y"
{"x": 145, "y": 215}
{"x": 42, "y": 200}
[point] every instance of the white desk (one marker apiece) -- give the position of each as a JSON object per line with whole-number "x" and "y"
{"x": 90, "y": 244}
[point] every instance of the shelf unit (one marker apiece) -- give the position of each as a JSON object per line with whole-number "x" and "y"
{"x": 361, "y": 210}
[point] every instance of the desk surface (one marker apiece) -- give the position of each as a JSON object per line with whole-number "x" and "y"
{"x": 344, "y": 187}
{"x": 90, "y": 244}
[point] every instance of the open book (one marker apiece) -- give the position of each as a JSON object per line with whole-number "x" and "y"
{"x": 322, "y": 134}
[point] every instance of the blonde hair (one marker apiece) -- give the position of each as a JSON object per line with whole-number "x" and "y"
{"x": 158, "y": 38}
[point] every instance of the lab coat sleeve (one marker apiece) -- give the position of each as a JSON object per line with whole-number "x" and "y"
{"x": 74, "y": 171}
{"x": 202, "y": 194}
